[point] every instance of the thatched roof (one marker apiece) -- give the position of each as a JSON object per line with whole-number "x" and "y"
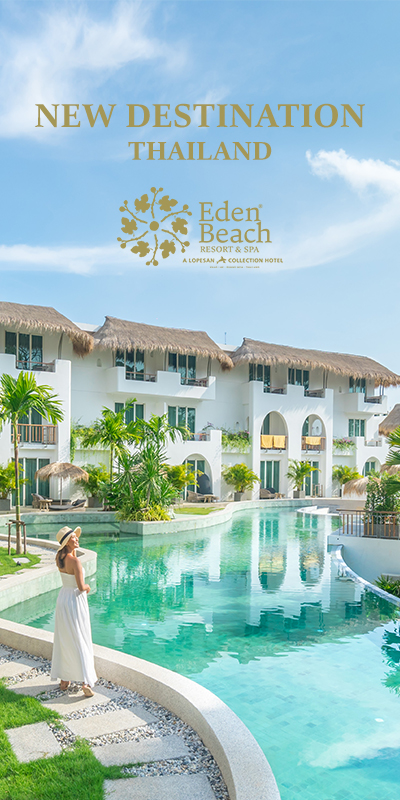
{"x": 356, "y": 486}
{"x": 390, "y": 422}
{"x": 42, "y": 319}
{"x": 252, "y": 351}
{"x": 121, "y": 334}
{"x": 61, "y": 469}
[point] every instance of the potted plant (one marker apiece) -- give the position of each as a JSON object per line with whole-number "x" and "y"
{"x": 297, "y": 472}
{"x": 98, "y": 476}
{"x": 7, "y": 485}
{"x": 240, "y": 477}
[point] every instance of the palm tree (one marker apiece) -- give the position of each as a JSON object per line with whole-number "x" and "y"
{"x": 17, "y": 398}
{"x": 344, "y": 474}
{"x": 298, "y": 471}
{"x": 112, "y": 432}
{"x": 393, "y": 439}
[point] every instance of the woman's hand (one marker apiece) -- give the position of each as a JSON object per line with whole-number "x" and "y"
{"x": 87, "y": 588}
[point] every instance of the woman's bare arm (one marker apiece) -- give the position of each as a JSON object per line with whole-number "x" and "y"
{"x": 76, "y": 565}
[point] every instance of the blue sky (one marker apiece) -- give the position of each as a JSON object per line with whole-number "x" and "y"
{"x": 331, "y": 197}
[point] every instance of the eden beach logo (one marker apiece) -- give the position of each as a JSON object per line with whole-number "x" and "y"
{"x": 157, "y": 218}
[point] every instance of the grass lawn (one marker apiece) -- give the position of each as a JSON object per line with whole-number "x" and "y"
{"x": 8, "y": 565}
{"x": 73, "y": 775}
{"x": 195, "y": 510}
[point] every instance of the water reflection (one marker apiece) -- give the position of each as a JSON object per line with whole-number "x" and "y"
{"x": 261, "y": 586}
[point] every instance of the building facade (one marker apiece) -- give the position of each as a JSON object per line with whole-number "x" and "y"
{"x": 324, "y": 408}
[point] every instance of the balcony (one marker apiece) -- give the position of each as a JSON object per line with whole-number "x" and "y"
{"x": 161, "y": 384}
{"x": 199, "y": 437}
{"x": 275, "y": 389}
{"x": 36, "y": 366}
{"x": 373, "y": 443}
{"x": 312, "y": 444}
{"x": 273, "y": 442}
{"x": 36, "y": 434}
{"x": 314, "y": 392}
{"x": 357, "y": 402}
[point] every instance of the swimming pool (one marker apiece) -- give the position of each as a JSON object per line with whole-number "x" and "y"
{"x": 255, "y": 611}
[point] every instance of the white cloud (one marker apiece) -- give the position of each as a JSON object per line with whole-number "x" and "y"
{"x": 41, "y": 65}
{"x": 330, "y": 243}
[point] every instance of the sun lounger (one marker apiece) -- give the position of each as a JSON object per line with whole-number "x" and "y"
{"x": 75, "y": 506}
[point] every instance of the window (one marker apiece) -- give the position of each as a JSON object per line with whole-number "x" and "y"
{"x": 299, "y": 377}
{"x": 260, "y": 372}
{"x": 269, "y": 475}
{"x": 356, "y": 427}
{"x": 182, "y": 416}
{"x": 370, "y": 466}
{"x": 185, "y": 365}
{"x": 27, "y": 348}
{"x": 34, "y": 485}
{"x": 312, "y": 480}
{"x": 132, "y": 414}
{"x": 133, "y": 361}
{"x": 357, "y": 385}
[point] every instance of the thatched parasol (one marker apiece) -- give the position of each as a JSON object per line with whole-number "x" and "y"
{"x": 357, "y": 486}
{"x": 390, "y": 469}
{"x": 62, "y": 470}
{"x": 45, "y": 318}
{"x": 121, "y": 334}
{"x": 252, "y": 351}
{"x": 391, "y": 421}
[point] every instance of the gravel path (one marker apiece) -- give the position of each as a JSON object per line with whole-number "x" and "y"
{"x": 198, "y": 761}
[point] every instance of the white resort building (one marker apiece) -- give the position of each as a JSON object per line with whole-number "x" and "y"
{"x": 295, "y": 403}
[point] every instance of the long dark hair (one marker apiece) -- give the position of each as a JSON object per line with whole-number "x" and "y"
{"x": 60, "y": 557}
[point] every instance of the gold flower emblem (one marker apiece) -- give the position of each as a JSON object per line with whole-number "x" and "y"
{"x": 156, "y": 213}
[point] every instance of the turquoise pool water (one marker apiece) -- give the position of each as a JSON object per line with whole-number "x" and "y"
{"x": 256, "y": 612}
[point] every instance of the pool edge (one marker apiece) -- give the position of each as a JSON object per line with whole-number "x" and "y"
{"x": 243, "y": 765}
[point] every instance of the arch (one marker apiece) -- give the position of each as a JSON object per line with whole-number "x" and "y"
{"x": 274, "y": 423}
{"x": 372, "y": 464}
{"x": 313, "y": 425}
{"x": 199, "y": 465}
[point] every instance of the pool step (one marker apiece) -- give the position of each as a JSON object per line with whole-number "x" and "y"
{"x": 160, "y": 787}
{"x": 156, "y": 749}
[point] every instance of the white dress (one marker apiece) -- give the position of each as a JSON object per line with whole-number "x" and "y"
{"x": 72, "y": 649}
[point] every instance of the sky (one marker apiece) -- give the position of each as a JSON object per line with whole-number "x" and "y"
{"x": 329, "y": 196}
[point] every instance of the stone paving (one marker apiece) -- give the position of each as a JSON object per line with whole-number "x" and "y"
{"x": 164, "y": 757}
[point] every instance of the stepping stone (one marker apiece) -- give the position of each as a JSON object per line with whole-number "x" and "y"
{"x": 161, "y": 787}
{"x": 31, "y": 742}
{"x": 22, "y": 560}
{"x": 110, "y": 722}
{"x": 111, "y": 755}
{"x": 33, "y": 686}
{"x": 10, "y": 669}
{"x": 75, "y": 702}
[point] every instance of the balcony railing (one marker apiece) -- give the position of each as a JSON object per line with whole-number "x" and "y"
{"x": 199, "y": 437}
{"x": 33, "y": 366}
{"x": 194, "y": 381}
{"x": 36, "y": 434}
{"x": 275, "y": 389}
{"x": 139, "y": 376}
{"x": 372, "y": 524}
{"x": 375, "y": 398}
{"x": 373, "y": 443}
{"x": 273, "y": 442}
{"x": 314, "y": 392}
{"x": 313, "y": 443}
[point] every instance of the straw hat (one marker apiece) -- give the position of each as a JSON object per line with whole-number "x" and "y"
{"x": 64, "y": 535}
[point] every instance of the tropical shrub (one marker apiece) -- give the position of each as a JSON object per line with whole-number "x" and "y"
{"x": 240, "y": 476}
{"x": 235, "y": 440}
{"x": 344, "y": 474}
{"x": 180, "y": 476}
{"x": 145, "y": 514}
{"x": 298, "y": 471}
{"x": 344, "y": 445}
{"x": 98, "y": 476}
{"x": 383, "y": 493}
{"x": 7, "y": 480}
{"x": 388, "y": 584}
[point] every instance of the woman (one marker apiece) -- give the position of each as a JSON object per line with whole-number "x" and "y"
{"x": 72, "y": 649}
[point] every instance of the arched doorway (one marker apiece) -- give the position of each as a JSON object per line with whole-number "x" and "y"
{"x": 372, "y": 465}
{"x": 313, "y": 445}
{"x": 273, "y": 450}
{"x": 200, "y": 467}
